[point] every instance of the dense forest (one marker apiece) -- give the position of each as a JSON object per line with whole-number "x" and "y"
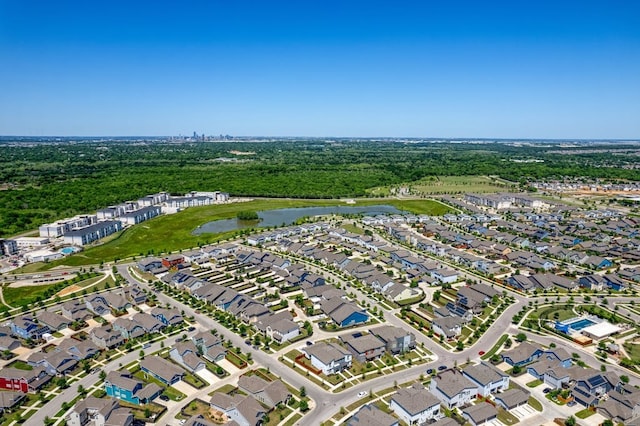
{"x": 41, "y": 182}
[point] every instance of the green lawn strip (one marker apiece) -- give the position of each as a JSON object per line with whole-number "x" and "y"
{"x": 583, "y": 414}
{"x": 506, "y": 417}
{"x": 20, "y": 365}
{"x": 534, "y": 383}
{"x": 535, "y": 404}
{"x": 293, "y": 420}
{"x": 22, "y": 296}
{"x": 227, "y": 389}
{"x": 277, "y": 415}
{"x": 495, "y": 347}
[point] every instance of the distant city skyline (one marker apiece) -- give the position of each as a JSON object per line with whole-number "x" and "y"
{"x": 508, "y": 70}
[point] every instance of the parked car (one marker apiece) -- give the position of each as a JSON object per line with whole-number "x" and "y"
{"x": 571, "y": 403}
{"x": 442, "y": 367}
{"x": 164, "y": 397}
{"x": 481, "y": 353}
{"x": 362, "y": 394}
{"x": 546, "y": 390}
{"x": 430, "y": 371}
{"x": 309, "y": 343}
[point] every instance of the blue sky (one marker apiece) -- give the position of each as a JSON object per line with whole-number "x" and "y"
{"x": 512, "y": 69}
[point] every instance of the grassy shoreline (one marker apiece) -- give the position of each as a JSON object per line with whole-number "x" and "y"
{"x": 169, "y": 233}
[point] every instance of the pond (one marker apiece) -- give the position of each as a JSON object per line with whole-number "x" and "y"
{"x": 280, "y": 217}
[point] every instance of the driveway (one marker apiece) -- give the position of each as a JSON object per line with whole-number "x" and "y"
{"x": 208, "y": 376}
{"x": 227, "y": 365}
{"x": 185, "y": 388}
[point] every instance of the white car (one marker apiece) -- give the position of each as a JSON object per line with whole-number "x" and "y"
{"x": 362, "y": 394}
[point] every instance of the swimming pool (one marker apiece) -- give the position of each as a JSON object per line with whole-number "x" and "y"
{"x": 68, "y": 250}
{"x": 580, "y": 324}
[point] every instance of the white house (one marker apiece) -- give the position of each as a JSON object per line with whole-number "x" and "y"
{"x": 487, "y": 379}
{"x": 328, "y": 357}
{"x": 415, "y": 405}
{"x": 452, "y": 389}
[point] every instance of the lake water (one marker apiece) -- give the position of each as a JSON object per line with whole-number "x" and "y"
{"x": 279, "y": 217}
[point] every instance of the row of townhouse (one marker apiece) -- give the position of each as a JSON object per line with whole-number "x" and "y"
{"x": 366, "y": 273}
{"x": 287, "y": 232}
{"x": 278, "y": 326}
{"x": 470, "y": 300}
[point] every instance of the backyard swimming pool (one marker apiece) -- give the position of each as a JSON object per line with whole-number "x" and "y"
{"x": 68, "y": 250}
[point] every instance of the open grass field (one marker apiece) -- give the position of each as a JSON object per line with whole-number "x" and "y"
{"x": 449, "y": 185}
{"x": 173, "y": 232}
{"x": 20, "y": 296}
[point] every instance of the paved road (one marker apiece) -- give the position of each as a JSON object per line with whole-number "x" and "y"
{"x": 314, "y": 391}
{"x": 53, "y": 406}
{"x": 327, "y": 404}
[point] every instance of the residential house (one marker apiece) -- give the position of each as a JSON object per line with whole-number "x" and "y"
{"x": 452, "y": 388}
{"x": 163, "y": 370}
{"x": 99, "y": 412}
{"x": 210, "y": 346}
{"x": 278, "y": 326}
{"x": 75, "y": 311}
{"x": 55, "y": 322}
{"x": 621, "y": 406}
{"x": 364, "y": 347}
{"x": 186, "y": 354}
{"x": 128, "y": 328}
{"x": 480, "y": 414}
{"x": 104, "y": 303}
{"x": 78, "y": 349}
{"x": 449, "y": 327}
{"x": 488, "y": 379}
{"x": 54, "y": 362}
{"x": 244, "y": 410}
{"x": 590, "y": 384}
{"x": 25, "y": 381}
{"x": 328, "y": 357}
{"x": 343, "y": 313}
{"x": 149, "y": 264}
{"x": 10, "y": 399}
{"x": 123, "y": 386}
{"x": 8, "y": 343}
{"x": 369, "y": 415}
{"x": 269, "y": 393}
{"x": 396, "y": 339}
{"x": 172, "y": 261}
{"x": 28, "y": 327}
{"x": 167, "y": 316}
{"x": 512, "y": 398}
{"x": 415, "y": 405}
{"x": 135, "y": 294}
{"x": 106, "y": 337}
{"x": 524, "y": 353}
